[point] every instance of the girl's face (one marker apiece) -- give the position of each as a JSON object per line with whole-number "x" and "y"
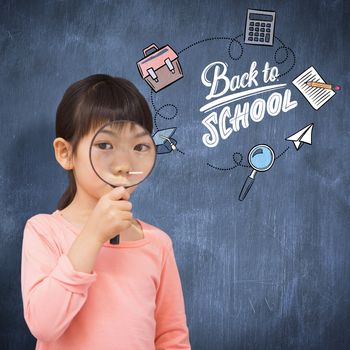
{"x": 85, "y": 177}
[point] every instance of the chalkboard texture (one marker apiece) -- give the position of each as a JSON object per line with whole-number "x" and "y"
{"x": 270, "y": 271}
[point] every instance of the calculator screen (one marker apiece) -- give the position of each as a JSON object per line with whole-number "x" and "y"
{"x": 259, "y": 28}
{"x": 260, "y": 17}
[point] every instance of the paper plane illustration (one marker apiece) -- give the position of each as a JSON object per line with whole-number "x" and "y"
{"x": 163, "y": 140}
{"x": 302, "y": 136}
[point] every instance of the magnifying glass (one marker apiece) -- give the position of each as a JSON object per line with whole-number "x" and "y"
{"x": 122, "y": 153}
{"x": 260, "y": 158}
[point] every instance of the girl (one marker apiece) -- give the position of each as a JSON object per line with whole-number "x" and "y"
{"x": 80, "y": 291}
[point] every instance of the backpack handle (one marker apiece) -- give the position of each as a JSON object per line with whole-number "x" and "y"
{"x": 152, "y": 46}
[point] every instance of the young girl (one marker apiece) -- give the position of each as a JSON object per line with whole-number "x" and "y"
{"x": 80, "y": 291}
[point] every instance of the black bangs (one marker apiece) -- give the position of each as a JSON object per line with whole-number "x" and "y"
{"x": 110, "y": 99}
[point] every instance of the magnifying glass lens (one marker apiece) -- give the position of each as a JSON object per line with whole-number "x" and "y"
{"x": 122, "y": 153}
{"x": 261, "y": 157}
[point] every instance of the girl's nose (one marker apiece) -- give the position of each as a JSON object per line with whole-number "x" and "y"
{"x": 121, "y": 168}
{"x": 121, "y": 164}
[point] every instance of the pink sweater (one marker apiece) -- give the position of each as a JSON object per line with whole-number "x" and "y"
{"x": 132, "y": 300}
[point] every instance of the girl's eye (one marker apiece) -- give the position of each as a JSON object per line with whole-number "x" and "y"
{"x": 141, "y": 144}
{"x": 103, "y": 145}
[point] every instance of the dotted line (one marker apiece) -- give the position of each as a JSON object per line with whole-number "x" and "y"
{"x": 281, "y": 154}
{"x": 286, "y": 52}
{"x": 202, "y": 41}
{"x": 239, "y": 162}
{"x": 239, "y": 43}
{"x": 158, "y": 109}
{"x": 287, "y": 49}
{"x": 219, "y": 38}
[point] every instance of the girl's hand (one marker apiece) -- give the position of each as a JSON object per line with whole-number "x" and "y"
{"x": 111, "y": 215}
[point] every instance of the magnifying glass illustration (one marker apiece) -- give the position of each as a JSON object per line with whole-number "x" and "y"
{"x": 122, "y": 153}
{"x": 260, "y": 158}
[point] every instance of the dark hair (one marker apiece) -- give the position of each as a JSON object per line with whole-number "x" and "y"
{"x": 91, "y": 102}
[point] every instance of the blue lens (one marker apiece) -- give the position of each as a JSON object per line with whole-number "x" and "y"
{"x": 261, "y": 157}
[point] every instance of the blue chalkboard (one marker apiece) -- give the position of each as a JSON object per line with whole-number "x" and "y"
{"x": 270, "y": 271}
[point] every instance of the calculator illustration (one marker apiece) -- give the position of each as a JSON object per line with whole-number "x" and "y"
{"x": 259, "y": 27}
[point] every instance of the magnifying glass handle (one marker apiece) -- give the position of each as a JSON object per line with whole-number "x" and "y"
{"x": 114, "y": 240}
{"x": 246, "y": 187}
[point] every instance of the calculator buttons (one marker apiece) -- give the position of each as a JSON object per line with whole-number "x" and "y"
{"x": 259, "y": 27}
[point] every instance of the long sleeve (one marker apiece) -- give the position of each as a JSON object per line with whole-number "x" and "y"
{"x": 171, "y": 328}
{"x": 52, "y": 291}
